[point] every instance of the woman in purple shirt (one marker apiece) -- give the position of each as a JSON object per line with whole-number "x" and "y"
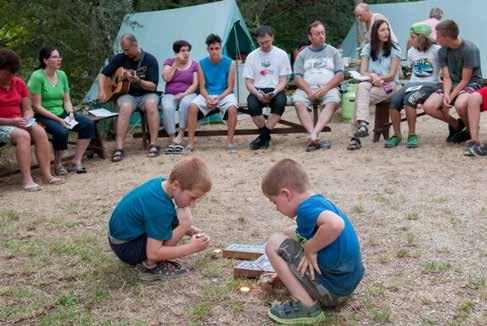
{"x": 181, "y": 76}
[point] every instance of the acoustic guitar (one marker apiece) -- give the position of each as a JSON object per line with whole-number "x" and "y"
{"x": 116, "y": 85}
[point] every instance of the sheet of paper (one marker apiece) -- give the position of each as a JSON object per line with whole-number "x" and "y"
{"x": 357, "y": 76}
{"x": 102, "y": 113}
{"x": 71, "y": 122}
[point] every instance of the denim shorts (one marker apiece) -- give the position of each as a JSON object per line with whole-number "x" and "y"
{"x": 6, "y": 134}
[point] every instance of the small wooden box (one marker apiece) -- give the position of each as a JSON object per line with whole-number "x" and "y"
{"x": 243, "y": 251}
{"x": 253, "y": 269}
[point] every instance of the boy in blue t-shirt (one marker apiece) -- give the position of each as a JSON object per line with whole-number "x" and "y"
{"x": 149, "y": 221}
{"x": 319, "y": 259}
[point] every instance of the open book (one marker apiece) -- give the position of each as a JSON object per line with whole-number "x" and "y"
{"x": 357, "y": 76}
{"x": 102, "y": 113}
{"x": 71, "y": 122}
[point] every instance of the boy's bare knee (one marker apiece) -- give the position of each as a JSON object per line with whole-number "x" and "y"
{"x": 274, "y": 242}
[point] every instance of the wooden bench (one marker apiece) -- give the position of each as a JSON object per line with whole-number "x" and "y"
{"x": 289, "y": 127}
{"x": 96, "y": 146}
{"x": 382, "y": 124}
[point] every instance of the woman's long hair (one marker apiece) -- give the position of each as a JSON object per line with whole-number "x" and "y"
{"x": 44, "y": 53}
{"x": 376, "y": 44}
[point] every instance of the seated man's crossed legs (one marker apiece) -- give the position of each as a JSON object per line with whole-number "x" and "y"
{"x": 200, "y": 108}
{"x": 304, "y": 108}
{"x": 127, "y": 105}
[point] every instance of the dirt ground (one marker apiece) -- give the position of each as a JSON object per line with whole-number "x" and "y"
{"x": 421, "y": 216}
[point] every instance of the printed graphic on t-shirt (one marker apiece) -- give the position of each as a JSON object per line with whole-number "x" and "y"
{"x": 422, "y": 68}
{"x": 142, "y": 72}
{"x": 266, "y": 69}
{"x": 318, "y": 64}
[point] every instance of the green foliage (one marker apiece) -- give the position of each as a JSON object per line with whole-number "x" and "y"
{"x": 84, "y": 30}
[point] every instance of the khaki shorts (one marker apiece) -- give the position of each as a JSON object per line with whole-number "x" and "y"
{"x": 292, "y": 252}
{"x": 223, "y": 105}
{"x": 332, "y": 96}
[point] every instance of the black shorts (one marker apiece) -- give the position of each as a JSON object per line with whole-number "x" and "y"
{"x": 277, "y": 104}
{"x": 412, "y": 94}
{"x": 132, "y": 252}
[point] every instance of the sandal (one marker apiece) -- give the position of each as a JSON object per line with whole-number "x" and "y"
{"x": 231, "y": 149}
{"x": 55, "y": 181}
{"x": 118, "y": 155}
{"x": 174, "y": 149}
{"x": 32, "y": 188}
{"x": 188, "y": 150}
{"x": 77, "y": 168}
{"x": 362, "y": 130}
{"x": 154, "y": 151}
{"x": 354, "y": 144}
{"x": 60, "y": 170}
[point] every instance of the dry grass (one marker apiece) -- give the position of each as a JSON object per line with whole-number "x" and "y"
{"x": 421, "y": 216}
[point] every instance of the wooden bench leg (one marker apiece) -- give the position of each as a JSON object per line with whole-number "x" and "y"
{"x": 381, "y": 124}
{"x": 145, "y": 128}
{"x": 97, "y": 145}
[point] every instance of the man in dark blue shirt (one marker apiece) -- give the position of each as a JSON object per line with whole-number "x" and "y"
{"x": 142, "y": 71}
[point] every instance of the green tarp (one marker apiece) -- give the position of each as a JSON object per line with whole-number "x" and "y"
{"x": 157, "y": 30}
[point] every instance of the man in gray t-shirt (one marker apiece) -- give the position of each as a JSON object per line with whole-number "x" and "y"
{"x": 318, "y": 71}
{"x": 460, "y": 66}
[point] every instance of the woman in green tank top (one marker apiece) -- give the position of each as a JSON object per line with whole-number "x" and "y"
{"x": 51, "y": 101}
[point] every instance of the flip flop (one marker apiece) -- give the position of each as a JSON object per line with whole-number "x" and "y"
{"x": 118, "y": 155}
{"x": 231, "y": 149}
{"x": 32, "y": 188}
{"x": 79, "y": 169}
{"x": 154, "y": 151}
{"x": 174, "y": 149}
{"x": 55, "y": 181}
{"x": 187, "y": 150}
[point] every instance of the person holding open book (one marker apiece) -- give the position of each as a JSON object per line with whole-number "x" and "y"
{"x": 51, "y": 101}
{"x": 380, "y": 65}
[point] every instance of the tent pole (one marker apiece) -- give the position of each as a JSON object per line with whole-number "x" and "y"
{"x": 236, "y": 66}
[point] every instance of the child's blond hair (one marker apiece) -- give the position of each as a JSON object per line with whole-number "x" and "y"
{"x": 191, "y": 174}
{"x": 287, "y": 174}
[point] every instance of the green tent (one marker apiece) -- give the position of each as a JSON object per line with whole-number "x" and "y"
{"x": 157, "y": 30}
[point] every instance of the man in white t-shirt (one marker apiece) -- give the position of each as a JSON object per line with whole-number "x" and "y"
{"x": 266, "y": 74}
{"x": 318, "y": 71}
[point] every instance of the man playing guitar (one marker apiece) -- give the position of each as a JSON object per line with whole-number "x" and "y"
{"x": 142, "y": 71}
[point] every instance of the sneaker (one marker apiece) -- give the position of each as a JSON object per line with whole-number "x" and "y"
{"x": 468, "y": 150}
{"x": 412, "y": 141}
{"x": 479, "y": 150}
{"x": 294, "y": 312}
{"x": 452, "y": 131}
{"x": 162, "y": 271}
{"x": 259, "y": 143}
{"x": 393, "y": 142}
{"x": 461, "y": 136}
